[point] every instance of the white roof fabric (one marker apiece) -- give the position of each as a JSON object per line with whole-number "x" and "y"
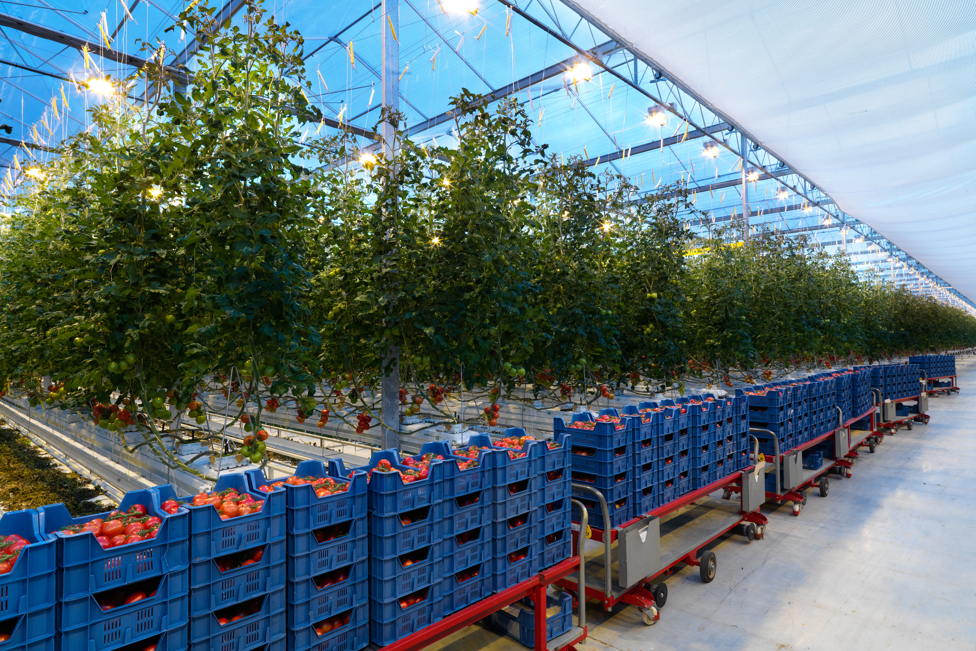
{"x": 872, "y": 100}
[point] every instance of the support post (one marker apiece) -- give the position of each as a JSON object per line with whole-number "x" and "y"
{"x": 744, "y": 152}
{"x": 390, "y": 20}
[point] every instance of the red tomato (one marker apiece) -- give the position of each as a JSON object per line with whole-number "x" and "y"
{"x": 231, "y": 510}
{"x": 138, "y": 509}
{"x": 133, "y": 528}
{"x": 150, "y": 522}
{"x": 117, "y": 540}
{"x": 4, "y": 637}
{"x": 133, "y": 539}
{"x": 112, "y": 528}
{"x": 151, "y": 647}
{"x": 6, "y": 567}
{"x": 222, "y": 620}
{"x": 104, "y": 542}
{"x": 134, "y": 597}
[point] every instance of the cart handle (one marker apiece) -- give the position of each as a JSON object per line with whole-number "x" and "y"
{"x": 877, "y": 392}
{"x": 581, "y": 594}
{"x": 606, "y": 535}
{"x": 755, "y": 455}
{"x": 772, "y": 435}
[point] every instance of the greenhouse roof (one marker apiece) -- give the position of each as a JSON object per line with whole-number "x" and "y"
{"x": 674, "y": 95}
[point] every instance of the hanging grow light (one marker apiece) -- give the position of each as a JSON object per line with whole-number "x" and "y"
{"x": 710, "y": 151}
{"x": 100, "y": 86}
{"x": 657, "y": 116}
{"x": 579, "y": 72}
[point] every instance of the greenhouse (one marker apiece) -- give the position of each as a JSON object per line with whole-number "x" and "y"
{"x": 467, "y": 324}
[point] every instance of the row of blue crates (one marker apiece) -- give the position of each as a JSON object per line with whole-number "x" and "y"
{"x": 896, "y": 381}
{"x": 935, "y": 365}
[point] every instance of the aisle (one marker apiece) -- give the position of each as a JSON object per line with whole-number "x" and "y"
{"x": 884, "y": 562}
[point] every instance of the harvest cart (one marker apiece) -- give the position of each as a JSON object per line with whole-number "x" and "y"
{"x": 903, "y": 411}
{"x": 634, "y": 558}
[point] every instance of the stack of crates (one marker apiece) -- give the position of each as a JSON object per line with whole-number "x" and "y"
{"x": 517, "y": 475}
{"x": 95, "y": 584}
{"x": 739, "y": 427}
{"x": 935, "y": 365}
{"x": 826, "y": 413}
{"x": 655, "y": 439}
{"x": 405, "y": 531}
{"x": 237, "y": 571}
{"x": 861, "y": 390}
{"x": 844, "y": 394}
{"x": 602, "y": 457}
{"x": 771, "y": 408}
{"x": 28, "y": 594}
{"x": 555, "y": 508}
{"x": 896, "y": 381}
{"x": 466, "y": 547}
{"x": 327, "y": 589}
{"x": 708, "y": 443}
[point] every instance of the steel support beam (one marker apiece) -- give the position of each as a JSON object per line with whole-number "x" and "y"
{"x": 655, "y": 144}
{"x": 390, "y": 80}
{"x": 54, "y": 35}
{"x": 30, "y": 145}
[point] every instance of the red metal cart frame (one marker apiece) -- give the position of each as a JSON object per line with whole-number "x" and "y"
{"x": 952, "y": 388}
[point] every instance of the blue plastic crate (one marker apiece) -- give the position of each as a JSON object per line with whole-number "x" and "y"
{"x": 555, "y": 484}
{"x": 668, "y": 467}
{"x": 518, "y": 620}
{"x": 616, "y": 492}
{"x": 205, "y": 573}
{"x": 620, "y": 511}
{"x": 604, "y": 435}
{"x": 645, "y": 453}
{"x": 352, "y": 636}
{"x": 465, "y": 588}
{"x": 468, "y": 511}
{"x": 238, "y": 586}
{"x": 394, "y": 577}
{"x": 556, "y": 547}
{"x": 169, "y": 593}
{"x": 457, "y": 481}
{"x": 306, "y": 510}
{"x": 29, "y": 627}
{"x": 504, "y": 468}
{"x": 605, "y": 468}
{"x": 467, "y": 549}
{"x": 601, "y": 482}
{"x": 129, "y": 625}
{"x": 31, "y": 584}
{"x": 508, "y": 572}
{"x": 684, "y": 460}
{"x": 249, "y": 634}
{"x": 701, "y": 411}
{"x": 600, "y": 454}
{"x": 206, "y": 626}
{"x": 392, "y": 610}
{"x": 555, "y": 516}
{"x": 509, "y": 536}
{"x": 329, "y": 602}
{"x": 211, "y": 537}
{"x": 646, "y": 478}
{"x": 387, "y": 493}
{"x": 812, "y": 460}
{"x": 646, "y": 500}
{"x": 84, "y": 567}
{"x": 392, "y": 535}
{"x": 305, "y": 589}
{"x": 48, "y": 643}
{"x": 412, "y": 620}
{"x": 671, "y": 444}
{"x": 509, "y": 500}
{"x": 308, "y": 557}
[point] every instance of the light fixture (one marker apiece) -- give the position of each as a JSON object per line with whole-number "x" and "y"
{"x": 367, "y": 159}
{"x": 607, "y": 226}
{"x": 657, "y": 116}
{"x": 35, "y": 173}
{"x": 782, "y": 195}
{"x": 460, "y": 6}
{"x": 752, "y": 175}
{"x": 710, "y": 151}
{"x": 447, "y": 182}
{"x": 435, "y": 241}
{"x": 100, "y": 86}
{"x": 155, "y": 192}
{"x": 580, "y": 71}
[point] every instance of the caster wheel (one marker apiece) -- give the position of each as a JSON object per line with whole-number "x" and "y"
{"x": 872, "y": 444}
{"x": 760, "y": 532}
{"x": 824, "y": 487}
{"x": 660, "y": 592}
{"x": 910, "y": 426}
{"x": 649, "y": 615}
{"x": 848, "y": 472}
{"x": 796, "y": 509}
{"x": 925, "y": 421}
{"x": 708, "y": 566}
{"x": 751, "y": 532}
{"x": 726, "y": 494}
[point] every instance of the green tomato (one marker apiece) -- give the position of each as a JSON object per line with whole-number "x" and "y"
{"x": 123, "y": 366}
{"x": 256, "y": 457}
{"x": 247, "y": 427}
{"x": 170, "y": 319}
{"x": 261, "y": 447}
{"x": 112, "y": 427}
{"x": 113, "y": 367}
{"x": 130, "y": 359}
{"x": 247, "y": 365}
{"x": 103, "y": 423}
{"x": 201, "y": 419}
{"x": 79, "y": 341}
{"x": 269, "y": 371}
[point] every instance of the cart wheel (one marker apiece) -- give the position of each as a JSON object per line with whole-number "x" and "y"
{"x": 872, "y": 444}
{"x": 797, "y": 507}
{"x": 910, "y": 425}
{"x": 660, "y": 592}
{"x": 926, "y": 420}
{"x": 751, "y": 532}
{"x": 649, "y": 615}
{"x": 708, "y": 566}
{"x": 726, "y": 494}
{"x": 824, "y": 486}
{"x": 848, "y": 473}
{"x": 760, "y": 532}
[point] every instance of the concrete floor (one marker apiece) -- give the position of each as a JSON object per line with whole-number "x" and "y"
{"x": 883, "y": 562}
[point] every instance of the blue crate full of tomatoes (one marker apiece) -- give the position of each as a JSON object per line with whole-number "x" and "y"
{"x": 28, "y": 564}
